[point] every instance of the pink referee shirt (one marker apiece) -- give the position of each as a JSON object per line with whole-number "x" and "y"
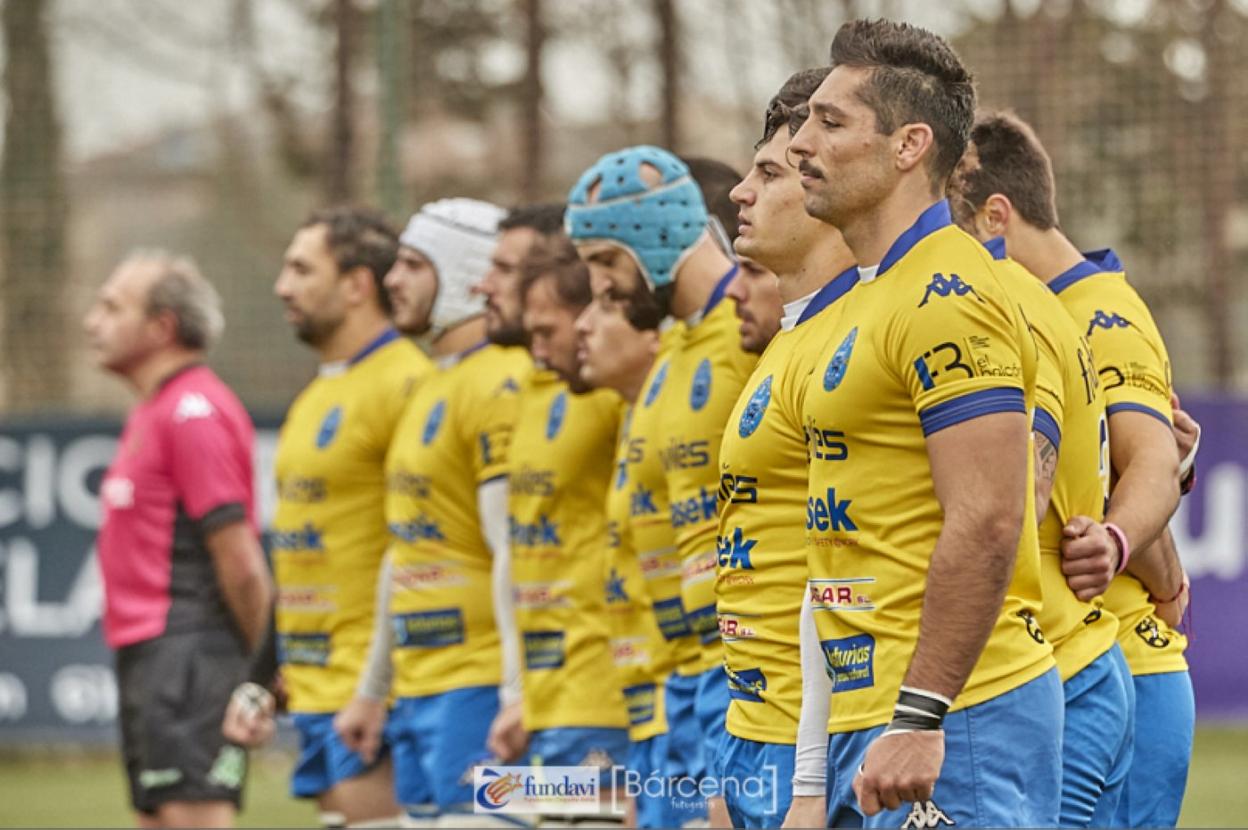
{"x": 183, "y": 469}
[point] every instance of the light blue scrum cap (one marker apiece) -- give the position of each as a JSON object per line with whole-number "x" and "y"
{"x": 657, "y": 225}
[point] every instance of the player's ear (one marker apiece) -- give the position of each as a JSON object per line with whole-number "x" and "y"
{"x": 997, "y": 212}
{"x": 913, "y": 145}
{"x": 359, "y": 285}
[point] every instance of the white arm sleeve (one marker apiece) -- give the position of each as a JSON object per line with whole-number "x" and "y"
{"x": 492, "y": 508}
{"x": 378, "y": 670}
{"x": 810, "y": 769}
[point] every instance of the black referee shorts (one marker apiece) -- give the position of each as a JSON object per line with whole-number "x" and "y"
{"x": 173, "y": 694}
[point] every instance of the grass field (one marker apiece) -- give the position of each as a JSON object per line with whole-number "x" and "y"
{"x": 86, "y": 790}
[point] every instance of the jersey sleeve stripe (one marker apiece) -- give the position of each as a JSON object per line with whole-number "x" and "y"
{"x": 971, "y": 405}
{"x": 1045, "y": 424}
{"x": 1137, "y": 407}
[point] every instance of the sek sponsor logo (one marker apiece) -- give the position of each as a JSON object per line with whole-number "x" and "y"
{"x": 827, "y": 512}
{"x": 537, "y": 790}
{"x": 641, "y": 502}
{"x": 734, "y": 551}
{"x": 695, "y": 509}
{"x": 542, "y": 533}
{"x": 419, "y": 528}
{"x": 848, "y": 594}
{"x": 307, "y": 539}
{"x": 850, "y": 662}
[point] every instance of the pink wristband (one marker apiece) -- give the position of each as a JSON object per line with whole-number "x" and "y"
{"x": 1124, "y": 547}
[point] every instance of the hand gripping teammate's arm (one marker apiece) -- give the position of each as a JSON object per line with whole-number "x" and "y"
{"x": 979, "y": 471}
{"x": 507, "y": 738}
{"x": 1145, "y": 458}
{"x": 361, "y": 722}
{"x": 810, "y": 768}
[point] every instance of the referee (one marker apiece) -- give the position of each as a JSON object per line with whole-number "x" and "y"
{"x": 187, "y": 592}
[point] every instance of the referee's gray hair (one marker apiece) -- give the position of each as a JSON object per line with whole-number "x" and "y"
{"x": 180, "y": 288}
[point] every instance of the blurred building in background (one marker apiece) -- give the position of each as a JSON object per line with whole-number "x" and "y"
{"x": 214, "y": 127}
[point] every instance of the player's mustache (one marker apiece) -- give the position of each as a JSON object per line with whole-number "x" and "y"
{"x": 808, "y": 169}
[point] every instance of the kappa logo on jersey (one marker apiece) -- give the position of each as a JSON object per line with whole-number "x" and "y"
{"x": 554, "y": 420}
{"x": 417, "y": 529}
{"x": 700, "y": 392}
{"x": 734, "y": 551}
{"x": 191, "y": 406}
{"x": 943, "y": 286}
{"x": 656, "y": 385}
{"x": 746, "y": 684}
{"x": 699, "y": 508}
{"x": 850, "y": 662}
{"x": 1148, "y": 631}
{"x": 752, "y": 415}
{"x": 543, "y": 532}
{"x": 835, "y": 373}
{"x": 925, "y": 815}
{"x": 829, "y": 513}
{"x": 509, "y": 386}
{"x": 434, "y": 422}
{"x": 329, "y": 428}
{"x": 1101, "y": 320}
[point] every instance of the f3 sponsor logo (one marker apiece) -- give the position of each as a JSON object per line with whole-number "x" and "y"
{"x": 417, "y": 529}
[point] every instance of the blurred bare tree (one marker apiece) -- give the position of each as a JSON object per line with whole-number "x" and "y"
{"x": 669, "y": 53}
{"x": 340, "y": 183}
{"x": 34, "y": 210}
{"x": 531, "y": 99}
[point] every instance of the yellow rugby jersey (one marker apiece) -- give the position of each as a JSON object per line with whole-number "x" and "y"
{"x": 329, "y": 532}
{"x": 454, "y": 436}
{"x": 1070, "y": 412}
{"x": 1134, "y": 369}
{"x": 707, "y": 372}
{"x": 649, "y": 517}
{"x": 931, "y": 341}
{"x": 561, "y": 469}
{"x": 761, "y": 555}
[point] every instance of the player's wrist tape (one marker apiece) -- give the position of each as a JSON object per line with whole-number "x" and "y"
{"x": 918, "y": 711}
{"x": 1124, "y": 547}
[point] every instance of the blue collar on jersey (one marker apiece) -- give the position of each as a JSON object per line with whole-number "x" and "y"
{"x": 473, "y": 349}
{"x": 385, "y": 337}
{"x": 931, "y": 220}
{"x": 829, "y": 294}
{"x": 1104, "y": 261}
{"x": 718, "y": 293}
{"x": 996, "y": 247}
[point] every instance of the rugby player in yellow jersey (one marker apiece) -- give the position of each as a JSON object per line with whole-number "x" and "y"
{"x": 448, "y": 600}
{"x": 561, "y": 466}
{"x": 762, "y": 558}
{"x": 1010, "y": 188}
{"x": 622, "y": 349}
{"x": 1072, "y": 479}
{"x": 329, "y": 533}
{"x": 922, "y": 550}
{"x": 641, "y": 203}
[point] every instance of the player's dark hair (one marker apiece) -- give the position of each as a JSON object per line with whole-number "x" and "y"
{"x": 546, "y": 219}
{"x": 716, "y": 180}
{"x": 359, "y": 236}
{"x": 1006, "y": 157}
{"x": 790, "y": 106}
{"x": 557, "y": 261}
{"x": 916, "y": 77}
